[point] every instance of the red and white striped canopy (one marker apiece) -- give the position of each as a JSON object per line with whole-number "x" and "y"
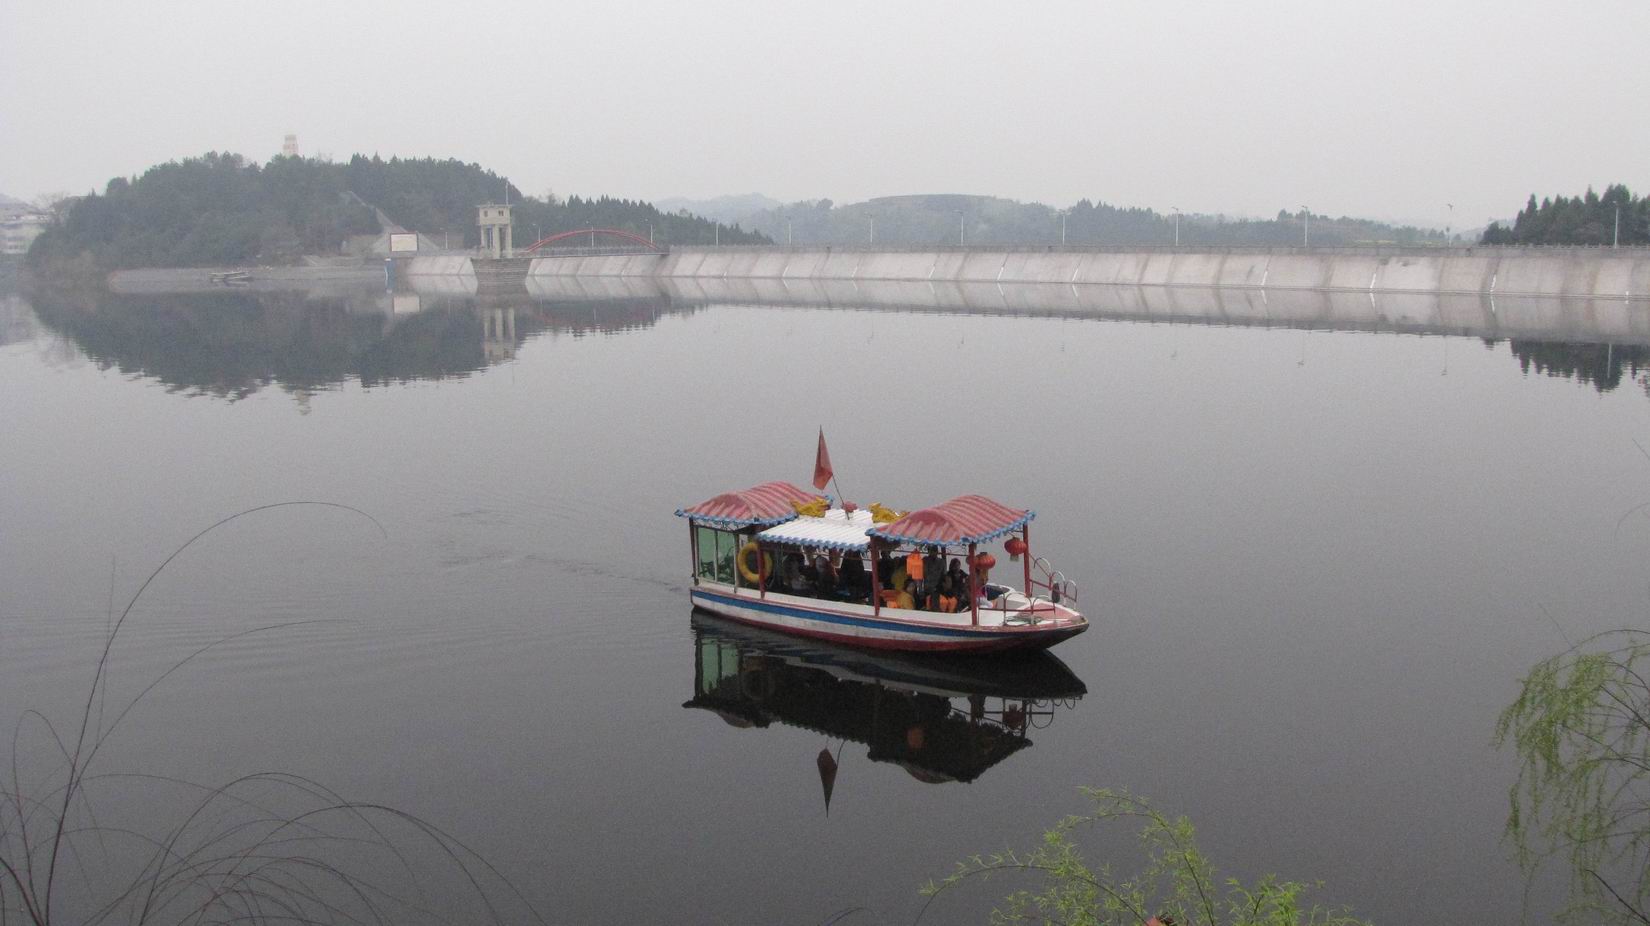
{"x": 964, "y": 519}
{"x": 766, "y": 504}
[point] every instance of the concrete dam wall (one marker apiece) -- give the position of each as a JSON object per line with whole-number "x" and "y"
{"x": 1562, "y": 272}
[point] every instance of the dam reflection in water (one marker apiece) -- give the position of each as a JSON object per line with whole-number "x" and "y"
{"x": 940, "y": 719}
{"x": 1474, "y": 315}
{"x": 232, "y": 343}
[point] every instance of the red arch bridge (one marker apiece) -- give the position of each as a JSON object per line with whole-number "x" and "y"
{"x": 625, "y": 241}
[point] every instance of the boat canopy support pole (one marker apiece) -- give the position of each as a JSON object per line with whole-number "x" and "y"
{"x": 876, "y": 581}
{"x": 973, "y": 585}
{"x": 693, "y": 551}
{"x": 1025, "y": 537}
{"x": 761, "y": 569}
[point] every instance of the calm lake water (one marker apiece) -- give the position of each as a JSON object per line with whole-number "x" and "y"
{"x": 1317, "y": 563}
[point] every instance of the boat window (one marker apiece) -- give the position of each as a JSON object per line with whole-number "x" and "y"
{"x": 707, "y": 553}
{"x": 727, "y": 547}
{"x": 717, "y": 550}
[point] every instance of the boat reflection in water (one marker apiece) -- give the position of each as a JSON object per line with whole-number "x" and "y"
{"x": 941, "y": 718}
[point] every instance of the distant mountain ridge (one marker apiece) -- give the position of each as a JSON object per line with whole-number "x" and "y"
{"x": 928, "y": 219}
{"x": 730, "y": 209}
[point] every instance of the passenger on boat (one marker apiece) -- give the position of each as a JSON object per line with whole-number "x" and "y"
{"x": 825, "y": 578}
{"x": 854, "y": 582}
{"x": 899, "y": 575}
{"x": 946, "y": 598}
{"x": 885, "y": 569}
{"x": 908, "y": 597}
{"x": 791, "y": 577}
{"x": 933, "y": 566}
{"x": 959, "y": 575}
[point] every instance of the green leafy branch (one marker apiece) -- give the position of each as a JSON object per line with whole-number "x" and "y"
{"x": 1177, "y": 886}
{"x": 1581, "y": 729}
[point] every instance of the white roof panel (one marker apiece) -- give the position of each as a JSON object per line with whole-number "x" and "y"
{"x": 837, "y": 530}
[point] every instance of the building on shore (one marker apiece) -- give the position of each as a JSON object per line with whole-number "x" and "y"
{"x": 19, "y": 228}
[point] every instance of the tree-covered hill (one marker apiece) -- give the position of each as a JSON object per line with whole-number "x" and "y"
{"x": 1589, "y": 219}
{"x": 221, "y": 209}
{"x": 214, "y": 209}
{"x": 437, "y": 197}
{"x": 934, "y": 220}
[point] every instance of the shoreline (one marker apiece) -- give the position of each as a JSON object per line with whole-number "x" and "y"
{"x": 263, "y": 279}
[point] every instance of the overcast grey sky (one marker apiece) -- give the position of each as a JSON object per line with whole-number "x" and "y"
{"x": 1387, "y": 110}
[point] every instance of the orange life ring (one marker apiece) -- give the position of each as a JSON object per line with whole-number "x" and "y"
{"x": 748, "y": 569}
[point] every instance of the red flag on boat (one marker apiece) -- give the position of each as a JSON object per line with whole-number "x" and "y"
{"x": 822, "y": 464}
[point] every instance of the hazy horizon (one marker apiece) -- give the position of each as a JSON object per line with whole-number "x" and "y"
{"x": 1238, "y": 110}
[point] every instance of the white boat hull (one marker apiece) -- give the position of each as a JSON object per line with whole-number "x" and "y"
{"x": 1005, "y": 628}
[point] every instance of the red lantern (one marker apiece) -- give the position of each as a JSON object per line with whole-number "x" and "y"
{"x": 1015, "y": 546}
{"x": 984, "y": 561}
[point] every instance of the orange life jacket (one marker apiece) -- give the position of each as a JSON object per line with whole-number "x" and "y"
{"x": 913, "y": 565}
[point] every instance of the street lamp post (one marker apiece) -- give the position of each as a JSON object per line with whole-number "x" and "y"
{"x": 873, "y": 229}
{"x": 650, "y": 233}
{"x": 787, "y": 231}
{"x": 1615, "y": 240}
{"x": 1063, "y": 214}
{"x": 1176, "y": 225}
{"x": 961, "y": 240}
{"x": 1448, "y": 239}
{"x": 538, "y": 233}
{"x": 1306, "y": 227}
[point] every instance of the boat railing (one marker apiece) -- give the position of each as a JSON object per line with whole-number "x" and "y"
{"x": 1032, "y": 610}
{"x": 1053, "y": 583}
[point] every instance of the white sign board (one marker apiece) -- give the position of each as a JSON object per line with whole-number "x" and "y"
{"x": 403, "y": 243}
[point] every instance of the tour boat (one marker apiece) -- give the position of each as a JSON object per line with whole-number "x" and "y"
{"x": 781, "y": 557}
